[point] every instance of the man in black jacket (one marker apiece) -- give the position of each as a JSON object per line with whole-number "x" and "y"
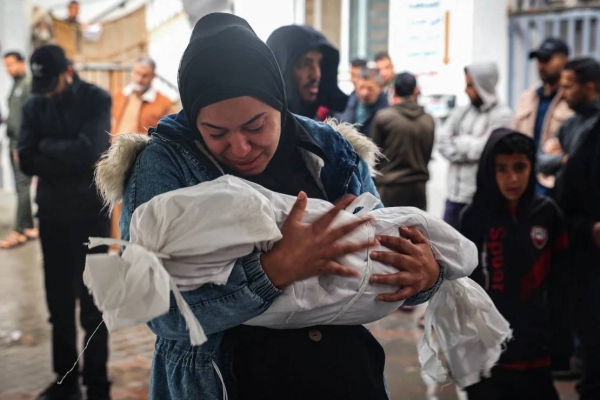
{"x": 580, "y": 82}
{"x": 578, "y": 193}
{"x": 309, "y": 65}
{"x": 64, "y": 131}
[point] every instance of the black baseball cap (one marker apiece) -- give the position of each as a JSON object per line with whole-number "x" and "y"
{"x": 405, "y": 84}
{"x": 47, "y": 63}
{"x": 549, "y": 47}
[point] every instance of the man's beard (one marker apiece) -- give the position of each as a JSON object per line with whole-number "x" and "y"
{"x": 477, "y": 102}
{"x": 140, "y": 88}
{"x": 308, "y": 85}
{"x": 551, "y": 79}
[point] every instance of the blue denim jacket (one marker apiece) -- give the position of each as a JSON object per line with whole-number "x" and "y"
{"x": 171, "y": 160}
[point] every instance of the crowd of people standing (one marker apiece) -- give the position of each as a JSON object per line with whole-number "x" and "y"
{"x": 522, "y": 184}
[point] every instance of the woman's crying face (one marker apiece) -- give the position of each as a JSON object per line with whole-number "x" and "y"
{"x": 242, "y": 133}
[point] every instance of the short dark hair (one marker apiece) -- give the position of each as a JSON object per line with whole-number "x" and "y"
{"x": 405, "y": 84}
{"x": 73, "y": 3}
{"x": 586, "y": 70}
{"x": 382, "y": 55}
{"x": 18, "y": 56}
{"x": 358, "y": 62}
{"x": 370, "y": 73}
{"x": 515, "y": 143}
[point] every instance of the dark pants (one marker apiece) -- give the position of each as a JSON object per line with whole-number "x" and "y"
{"x": 307, "y": 363}
{"x": 452, "y": 213}
{"x": 588, "y": 329}
{"x": 589, "y": 385}
{"x": 534, "y": 384}
{"x": 406, "y": 195}
{"x": 24, "y": 217}
{"x": 64, "y": 261}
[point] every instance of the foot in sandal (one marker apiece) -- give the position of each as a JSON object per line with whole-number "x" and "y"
{"x": 14, "y": 239}
{"x": 32, "y": 233}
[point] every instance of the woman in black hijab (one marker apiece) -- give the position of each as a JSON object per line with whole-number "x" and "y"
{"x": 235, "y": 120}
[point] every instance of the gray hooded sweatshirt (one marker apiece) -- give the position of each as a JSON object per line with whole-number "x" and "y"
{"x": 463, "y": 136}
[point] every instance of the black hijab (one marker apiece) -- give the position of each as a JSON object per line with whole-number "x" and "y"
{"x": 225, "y": 59}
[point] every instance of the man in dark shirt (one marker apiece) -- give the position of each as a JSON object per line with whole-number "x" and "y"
{"x": 64, "y": 131}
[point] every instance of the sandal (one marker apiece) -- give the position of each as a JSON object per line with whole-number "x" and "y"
{"x": 31, "y": 234}
{"x": 14, "y": 239}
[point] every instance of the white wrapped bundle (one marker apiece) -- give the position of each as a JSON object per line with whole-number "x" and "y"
{"x": 189, "y": 237}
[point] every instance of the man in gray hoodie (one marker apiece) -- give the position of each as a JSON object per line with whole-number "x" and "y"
{"x": 465, "y": 133}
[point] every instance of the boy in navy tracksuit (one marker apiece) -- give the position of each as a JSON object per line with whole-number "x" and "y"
{"x": 520, "y": 237}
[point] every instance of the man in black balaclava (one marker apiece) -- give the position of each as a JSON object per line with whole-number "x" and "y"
{"x": 309, "y": 64}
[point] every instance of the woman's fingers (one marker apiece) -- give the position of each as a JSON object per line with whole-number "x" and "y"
{"x": 398, "y": 244}
{"x": 334, "y": 268}
{"x": 405, "y": 281}
{"x": 400, "y": 295}
{"x": 412, "y": 234}
{"x": 340, "y": 250}
{"x": 401, "y": 279}
{"x": 298, "y": 209}
{"x": 341, "y": 231}
{"x": 401, "y": 262}
{"x": 323, "y": 223}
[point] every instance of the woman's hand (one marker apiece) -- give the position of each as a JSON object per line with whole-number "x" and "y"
{"x": 308, "y": 250}
{"x": 418, "y": 268}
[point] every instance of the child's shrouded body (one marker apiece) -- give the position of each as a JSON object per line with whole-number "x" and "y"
{"x": 200, "y": 232}
{"x": 520, "y": 236}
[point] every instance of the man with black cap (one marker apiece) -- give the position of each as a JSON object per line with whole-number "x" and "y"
{"x": 64, "y": 131}
{"x": 309, "y": 64}
{"x": 542, "y": 109}
{"x": 404, "y": 133}
{"x": 540, "y": 113}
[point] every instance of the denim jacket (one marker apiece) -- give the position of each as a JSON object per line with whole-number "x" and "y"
{"x": 173, "y": 158}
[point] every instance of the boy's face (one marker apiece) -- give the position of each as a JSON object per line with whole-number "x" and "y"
{"x": 512, "y": 175}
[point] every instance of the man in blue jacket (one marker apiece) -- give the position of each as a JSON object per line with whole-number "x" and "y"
{"x": 368, "y": 99}
{"x": 64, "y": 131}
